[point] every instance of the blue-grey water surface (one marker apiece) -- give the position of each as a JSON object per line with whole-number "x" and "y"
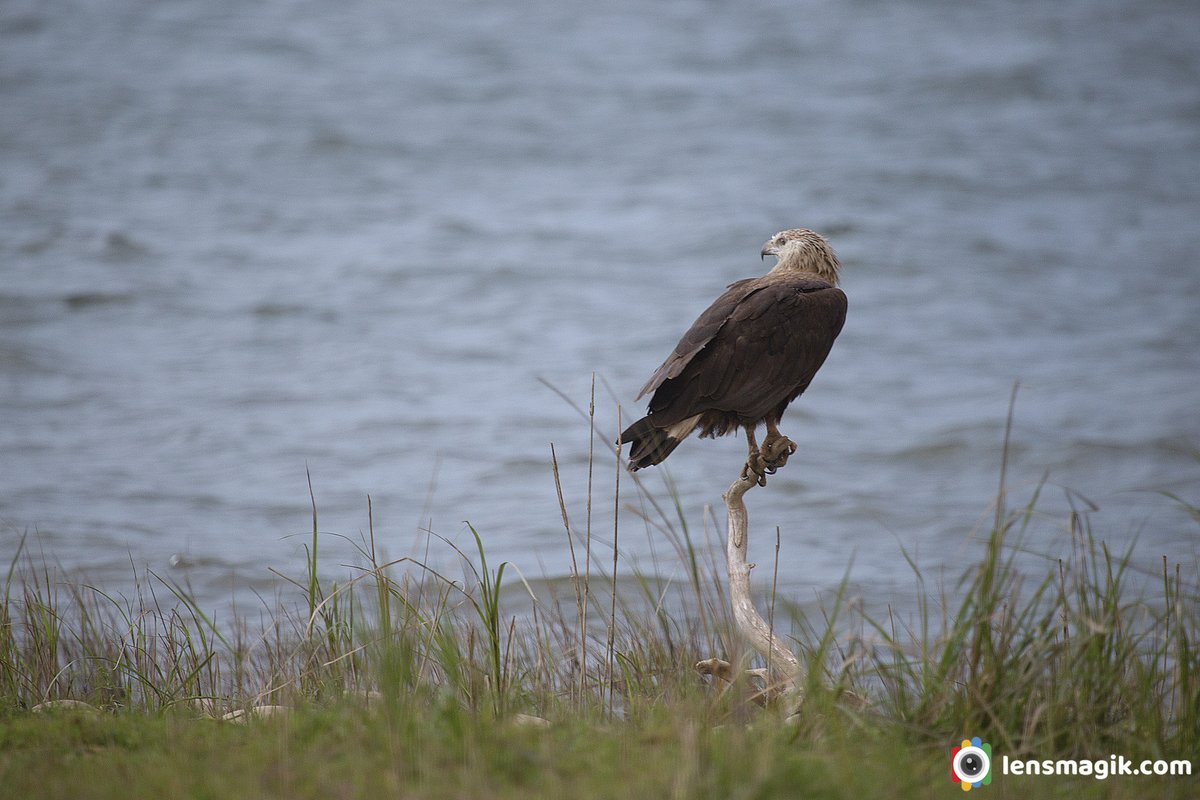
{"x": 239, "y": 241}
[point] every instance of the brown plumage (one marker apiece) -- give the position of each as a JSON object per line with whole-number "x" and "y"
{"x": 749, "y": 355}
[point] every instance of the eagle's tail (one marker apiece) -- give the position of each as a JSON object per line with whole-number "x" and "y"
{"x": 649, "y": 444}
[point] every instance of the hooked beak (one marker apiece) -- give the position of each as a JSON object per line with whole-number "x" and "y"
{"x": 768, "y": 250}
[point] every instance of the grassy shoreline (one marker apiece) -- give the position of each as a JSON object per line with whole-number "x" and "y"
{"x": 401, "y": 680}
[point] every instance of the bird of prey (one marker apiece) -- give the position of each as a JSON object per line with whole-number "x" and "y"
{"x": 749, "y": 355}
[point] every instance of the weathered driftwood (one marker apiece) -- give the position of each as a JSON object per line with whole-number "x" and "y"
{"x": 65, "y": 705}
{"x": 781, "y": 661}
{"x": 259, "y": 712}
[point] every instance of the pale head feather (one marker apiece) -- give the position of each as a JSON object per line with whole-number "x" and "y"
{"x": 802, "y": 252}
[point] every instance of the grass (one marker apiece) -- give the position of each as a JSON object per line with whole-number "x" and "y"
{"x": 343, "y": 751}
{"x": 403, "y": 682}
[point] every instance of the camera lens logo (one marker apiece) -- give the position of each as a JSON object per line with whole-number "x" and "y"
{"x": 971, "y": 764}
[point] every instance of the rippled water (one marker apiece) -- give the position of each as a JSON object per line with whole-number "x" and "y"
{"x": 239, "y": 242}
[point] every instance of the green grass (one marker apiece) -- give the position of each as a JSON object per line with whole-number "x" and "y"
{"x": 345, "y": 750}
{"x": 403, "y": 682}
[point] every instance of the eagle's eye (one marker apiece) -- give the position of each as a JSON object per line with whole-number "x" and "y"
{"x": 780, "y": 242}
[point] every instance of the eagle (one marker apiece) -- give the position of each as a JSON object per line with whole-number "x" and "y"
{"x": 749, "y": 355}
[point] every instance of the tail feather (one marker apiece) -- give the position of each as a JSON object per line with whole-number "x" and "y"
{"x": 649, "y": 445}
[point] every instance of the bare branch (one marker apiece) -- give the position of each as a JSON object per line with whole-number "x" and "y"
{"x": 753, "y": 628}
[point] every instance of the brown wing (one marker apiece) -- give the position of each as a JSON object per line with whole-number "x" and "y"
{"x": 773, "y": 338}
{"x": 701, "y": 333}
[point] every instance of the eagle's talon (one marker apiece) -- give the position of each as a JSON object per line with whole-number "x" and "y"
{"x": 755, "y": 470}
{"x": 775, "y": 463}
{"x": 775, "y": 452}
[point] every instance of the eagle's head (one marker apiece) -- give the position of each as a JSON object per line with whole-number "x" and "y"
{"x": 802, "y": 251}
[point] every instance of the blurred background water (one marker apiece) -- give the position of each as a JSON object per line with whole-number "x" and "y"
{"x": 239, "y": 242}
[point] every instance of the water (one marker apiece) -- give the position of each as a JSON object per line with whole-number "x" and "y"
{"x": 241, "y": 243}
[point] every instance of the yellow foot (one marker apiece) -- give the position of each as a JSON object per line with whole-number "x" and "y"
{"x": 756, "y": 469}
{"x": 775, "y": 451}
